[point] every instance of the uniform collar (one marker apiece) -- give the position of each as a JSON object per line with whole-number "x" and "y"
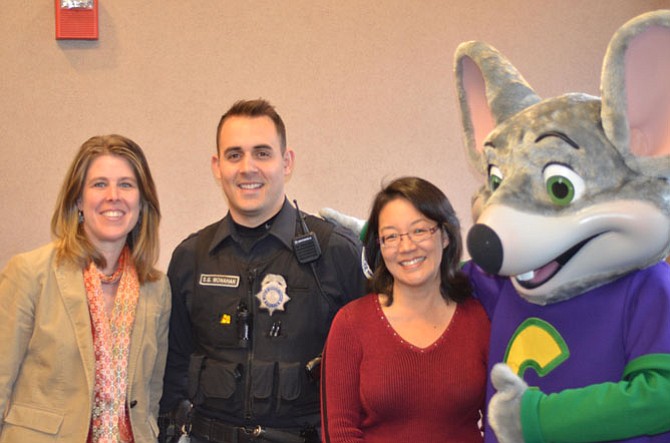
{"x": 283, "y": 228}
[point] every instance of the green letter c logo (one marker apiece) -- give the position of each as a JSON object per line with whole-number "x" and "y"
{"x": 538, "y": 345}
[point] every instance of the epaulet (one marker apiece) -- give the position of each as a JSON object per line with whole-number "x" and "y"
{"x": 322, "y": 228}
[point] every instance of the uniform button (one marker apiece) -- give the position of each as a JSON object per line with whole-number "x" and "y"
{"x": 133, "y": 403}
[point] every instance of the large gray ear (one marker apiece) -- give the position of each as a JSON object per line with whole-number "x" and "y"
{"x": 490, "y": 90}
{"x": 635, "y": 89}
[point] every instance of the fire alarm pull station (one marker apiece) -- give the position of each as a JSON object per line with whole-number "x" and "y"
{"x": 77, "y": 19}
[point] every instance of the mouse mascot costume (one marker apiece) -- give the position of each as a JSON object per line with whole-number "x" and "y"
{"x": 567, "y": 248}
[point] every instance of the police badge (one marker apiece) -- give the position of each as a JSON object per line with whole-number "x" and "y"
{"x": 273, "y": 293}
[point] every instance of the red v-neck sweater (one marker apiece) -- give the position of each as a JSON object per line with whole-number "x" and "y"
{"x": 377, "y": 388}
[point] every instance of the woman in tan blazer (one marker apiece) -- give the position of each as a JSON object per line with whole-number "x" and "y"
{"x": 83, "y": 321}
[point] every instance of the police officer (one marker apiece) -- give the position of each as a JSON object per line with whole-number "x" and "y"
{"x": 253, "y": 297}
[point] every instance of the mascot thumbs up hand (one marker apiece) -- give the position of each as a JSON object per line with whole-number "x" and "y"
{"x": 505, "y": 403}
{"x": 570, "y": 232}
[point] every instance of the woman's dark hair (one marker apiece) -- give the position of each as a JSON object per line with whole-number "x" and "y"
{"x": 432, "y": 203}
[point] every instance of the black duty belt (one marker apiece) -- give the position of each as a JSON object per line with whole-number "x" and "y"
{"x": 218, "y": 432}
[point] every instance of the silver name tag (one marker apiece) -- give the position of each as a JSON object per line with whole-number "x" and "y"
{"x": 227, "y": 281}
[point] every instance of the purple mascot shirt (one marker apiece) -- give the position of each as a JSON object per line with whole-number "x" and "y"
{"x": 585, "y": 340}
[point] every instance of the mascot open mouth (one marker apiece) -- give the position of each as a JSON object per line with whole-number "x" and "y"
{"x": 541, "y": 275}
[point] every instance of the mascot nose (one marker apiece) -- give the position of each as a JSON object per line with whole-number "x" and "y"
{"x": 485, "y": 248}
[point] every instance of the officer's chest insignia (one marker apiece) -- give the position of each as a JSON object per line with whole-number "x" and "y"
{"x": 226, "y": 281}
{"x": 273, "y": 293}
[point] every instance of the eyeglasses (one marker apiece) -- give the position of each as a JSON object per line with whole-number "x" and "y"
{"x": 417, "y": 235}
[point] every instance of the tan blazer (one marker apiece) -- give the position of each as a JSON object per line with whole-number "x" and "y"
{"x": 46, "y": 353}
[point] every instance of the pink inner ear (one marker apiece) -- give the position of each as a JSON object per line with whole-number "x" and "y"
{"x": 647, "y": 67}
{"x": 475, "y": 94}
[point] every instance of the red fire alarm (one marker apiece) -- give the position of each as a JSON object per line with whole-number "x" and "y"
{"x": 77, "y": 19}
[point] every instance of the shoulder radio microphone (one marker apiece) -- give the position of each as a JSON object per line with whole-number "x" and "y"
{"x": 306, "y": 246}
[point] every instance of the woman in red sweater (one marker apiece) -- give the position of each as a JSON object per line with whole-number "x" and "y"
{"x": 407, "y": 362}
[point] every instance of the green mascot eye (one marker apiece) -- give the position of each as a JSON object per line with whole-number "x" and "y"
{"x": 560, "y": 189}
{"x": 495, "y": 178}
{"x": 564, "y": 186}
{"x": 494, "y": 182}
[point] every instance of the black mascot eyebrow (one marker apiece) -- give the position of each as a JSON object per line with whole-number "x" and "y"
{"x": 560, "y": 135}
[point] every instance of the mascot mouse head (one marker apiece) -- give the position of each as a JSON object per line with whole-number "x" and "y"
{"x": 578, "y": 187}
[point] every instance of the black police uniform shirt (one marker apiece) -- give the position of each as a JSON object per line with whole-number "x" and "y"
{"x": 245, "y": 323}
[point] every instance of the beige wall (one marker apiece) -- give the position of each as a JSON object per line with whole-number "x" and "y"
{"x": 365, "y": 87}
